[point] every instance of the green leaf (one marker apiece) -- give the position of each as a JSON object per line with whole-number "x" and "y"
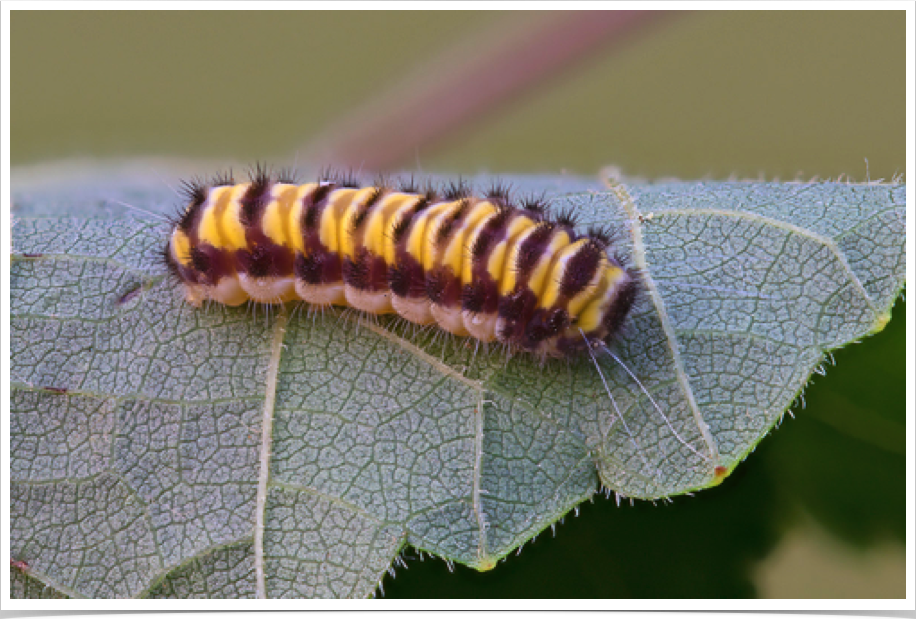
{"x": 160, "y": 450}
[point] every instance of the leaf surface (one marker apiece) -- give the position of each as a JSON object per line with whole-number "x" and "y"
{"x": 160, "y": 450}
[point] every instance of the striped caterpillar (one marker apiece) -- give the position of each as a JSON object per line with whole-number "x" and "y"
{"x": 475, "y": 266}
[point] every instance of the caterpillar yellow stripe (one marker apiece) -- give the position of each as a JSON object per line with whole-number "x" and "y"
{"x": 478, "y": 266}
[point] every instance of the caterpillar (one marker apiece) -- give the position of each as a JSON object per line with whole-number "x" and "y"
{"x": 480, "y": 266}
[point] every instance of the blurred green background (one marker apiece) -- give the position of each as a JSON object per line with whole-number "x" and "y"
{"x": 819, "y": 509}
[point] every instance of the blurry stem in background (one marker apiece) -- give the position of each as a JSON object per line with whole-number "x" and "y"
{"x": 467, "y": 81}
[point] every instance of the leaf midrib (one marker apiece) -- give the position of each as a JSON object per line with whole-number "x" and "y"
{"x": 639, "y": 256}
{"x": 273, "y": 372}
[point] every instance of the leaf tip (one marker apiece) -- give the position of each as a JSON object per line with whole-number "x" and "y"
{"x": 881, "y": 321}
{"x": 718, "y": 475}
{"x": 486, "y": 564}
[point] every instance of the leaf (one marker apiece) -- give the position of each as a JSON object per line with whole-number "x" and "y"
{"x": 160, "y": 450}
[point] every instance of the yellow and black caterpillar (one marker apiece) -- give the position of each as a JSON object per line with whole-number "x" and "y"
{"x": 478, "y": 266}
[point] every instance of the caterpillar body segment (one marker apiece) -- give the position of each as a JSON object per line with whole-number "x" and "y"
{"x": 476, "y": 266}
